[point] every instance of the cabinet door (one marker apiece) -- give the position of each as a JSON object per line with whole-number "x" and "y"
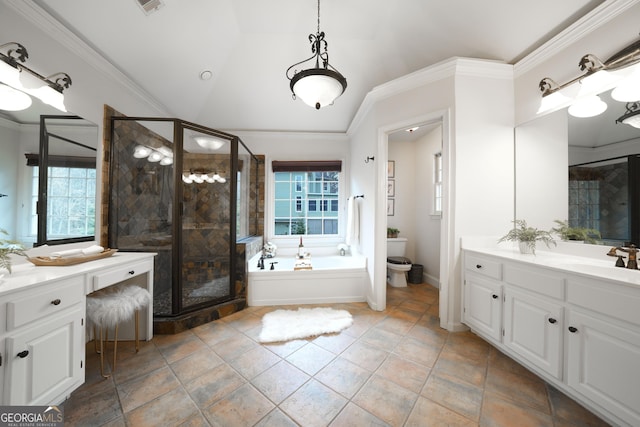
{"x": 603, "y": 364}
{"x": 533, "y": 329}
{"x": 46, "y": 360}
{"x": 483, "y": 305}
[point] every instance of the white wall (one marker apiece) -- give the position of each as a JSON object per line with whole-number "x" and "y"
{"x": 542, "y": 178}
{"x": 403, "y": 153}
{"x": 10, "y": 149}
{"x": 428, "y": 226}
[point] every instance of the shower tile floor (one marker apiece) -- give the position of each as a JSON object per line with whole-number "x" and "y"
{"x": 391, "y": 368}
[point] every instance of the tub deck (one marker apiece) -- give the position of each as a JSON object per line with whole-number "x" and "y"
{"x": 332, "y": 279}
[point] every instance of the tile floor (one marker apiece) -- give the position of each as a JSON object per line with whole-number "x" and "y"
{"x": 391, "y": 368}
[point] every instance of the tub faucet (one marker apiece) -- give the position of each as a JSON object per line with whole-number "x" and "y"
{"x": 261, "y": 263}
{"x": 632, "y": 263}
{"x": 272, "y": 266}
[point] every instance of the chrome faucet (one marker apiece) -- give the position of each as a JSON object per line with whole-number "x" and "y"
{"x": 632, "y": 263}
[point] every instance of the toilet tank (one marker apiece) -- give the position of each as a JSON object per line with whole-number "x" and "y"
{"x": 396, "y": 246}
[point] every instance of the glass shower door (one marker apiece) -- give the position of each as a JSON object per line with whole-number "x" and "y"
{"x": 207, "y": 221}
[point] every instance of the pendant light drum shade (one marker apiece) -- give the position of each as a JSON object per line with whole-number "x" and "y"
{"x": 318, "y": 87}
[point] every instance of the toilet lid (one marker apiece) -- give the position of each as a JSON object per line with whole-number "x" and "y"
{"x": 398, "y": 260}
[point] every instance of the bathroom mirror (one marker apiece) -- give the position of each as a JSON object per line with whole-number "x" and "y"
{"x": 70, "y": 144}
{"x": 603, "y": 190}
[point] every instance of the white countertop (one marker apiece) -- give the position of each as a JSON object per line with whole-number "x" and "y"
{"x": 27, "y": 274}
{"x": 584, "y": 265}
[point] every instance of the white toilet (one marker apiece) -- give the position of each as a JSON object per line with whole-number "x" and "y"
{"x": 397, "y": 264}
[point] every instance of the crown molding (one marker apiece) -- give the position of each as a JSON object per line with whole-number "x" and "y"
{"x": 578, "y": 30}
{"x": 41, "y": 19}
{"x": 452, "y": 67}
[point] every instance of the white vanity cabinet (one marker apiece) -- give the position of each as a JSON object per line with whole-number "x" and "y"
{"x": 579, "y": 332}
{"x": 603, "y": 344}
{"x": 43, "y": 322}
{"x": 483, "y": 294}
{"x": 43, "y": 354}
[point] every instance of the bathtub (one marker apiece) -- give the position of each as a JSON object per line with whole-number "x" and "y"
{"x": 332, "y": 279}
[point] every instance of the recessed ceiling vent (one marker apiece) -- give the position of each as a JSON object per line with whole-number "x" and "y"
{"x": 149, "y": 6}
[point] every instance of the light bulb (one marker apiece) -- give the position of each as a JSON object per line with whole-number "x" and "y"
{"x": 141, "y": 152}
{"x": 588, "y": 106}
{"x": 12, "y": 99}
{"x": 155, "y": 156}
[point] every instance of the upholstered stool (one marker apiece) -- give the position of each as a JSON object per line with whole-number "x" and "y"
{"x": 108, "y": 308}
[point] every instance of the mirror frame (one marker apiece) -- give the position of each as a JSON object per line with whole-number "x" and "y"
{"x": 43, "y": 171}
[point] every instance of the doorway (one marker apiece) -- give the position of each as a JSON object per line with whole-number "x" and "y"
{"x": 414, "y": 195}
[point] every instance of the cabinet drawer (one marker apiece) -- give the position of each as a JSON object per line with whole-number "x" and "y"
{"x": 485, "y": 266}
{"x": 620, "y": 302}
{"x": 537, "y": 280}
{"x": 117, "y": 275}
{"x": 44, "y": 302}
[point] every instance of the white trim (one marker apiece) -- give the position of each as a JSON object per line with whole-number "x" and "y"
{"x": 439, "y": 71}
{"x": 599, "y": 16}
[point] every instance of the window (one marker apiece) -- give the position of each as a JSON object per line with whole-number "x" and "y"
{"x": 437, "y": 183}
{"x": 71, "y": 202}
{"x": 319, "y": 183}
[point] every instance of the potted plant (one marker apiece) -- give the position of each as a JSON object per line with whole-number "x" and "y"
{"x": 527, "y": 237}
{"x": 588, "y": 235}
{"x": 8, "y": 247}
{"x": 392, "y": 233}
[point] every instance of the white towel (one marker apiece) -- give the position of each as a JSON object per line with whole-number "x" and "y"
{"x": 91, "y": 250}
{"x": 67, "y": 253}
{"x": 353, "y": 222}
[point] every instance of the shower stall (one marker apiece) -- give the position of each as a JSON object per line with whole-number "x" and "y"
{"x": 188, "y": 193}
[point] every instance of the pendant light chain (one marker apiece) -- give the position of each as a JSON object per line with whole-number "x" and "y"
{"x": 318, "y": 32}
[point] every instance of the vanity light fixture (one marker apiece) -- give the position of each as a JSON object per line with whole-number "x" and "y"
{"x": 200, "y": 176}
{"x": 620, "y": 72}
{"x": 162, "y": 155}
{"x": 15, "y": 74}
{"x": 631, "y": 116}
{"x": 321, "y": 85}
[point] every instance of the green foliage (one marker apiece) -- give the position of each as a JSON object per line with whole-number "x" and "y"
{"x": 298, "y": 227}
{"x": 8, "y": 247}
{"x": 392, "y": 232}
{"x": 530, "y": 235}
{"x": 588, "y": 235}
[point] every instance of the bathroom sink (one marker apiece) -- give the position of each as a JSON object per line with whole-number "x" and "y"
{"x": 601, "y": 270}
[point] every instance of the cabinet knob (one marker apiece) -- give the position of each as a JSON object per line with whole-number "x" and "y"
{"x": 23, "y": 354}
{"x": 552, "y": 320}
{"x": 132, "y": 272}
{"x": 56, "y": 301}
{"x": 494, "y": 296}
{"x": 478, "y": 266}
{"x": 573, "y": 330}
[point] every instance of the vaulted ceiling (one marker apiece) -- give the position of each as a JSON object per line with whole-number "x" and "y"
{"x": 248, "y": 45}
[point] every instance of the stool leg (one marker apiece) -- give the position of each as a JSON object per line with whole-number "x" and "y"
{"x": 102, "y": 353}
{"x": 115, "y": 348}
{"x": 137, "y": 316}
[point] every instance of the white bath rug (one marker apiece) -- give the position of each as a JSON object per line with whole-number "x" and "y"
{"x": 285, "y": 325}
